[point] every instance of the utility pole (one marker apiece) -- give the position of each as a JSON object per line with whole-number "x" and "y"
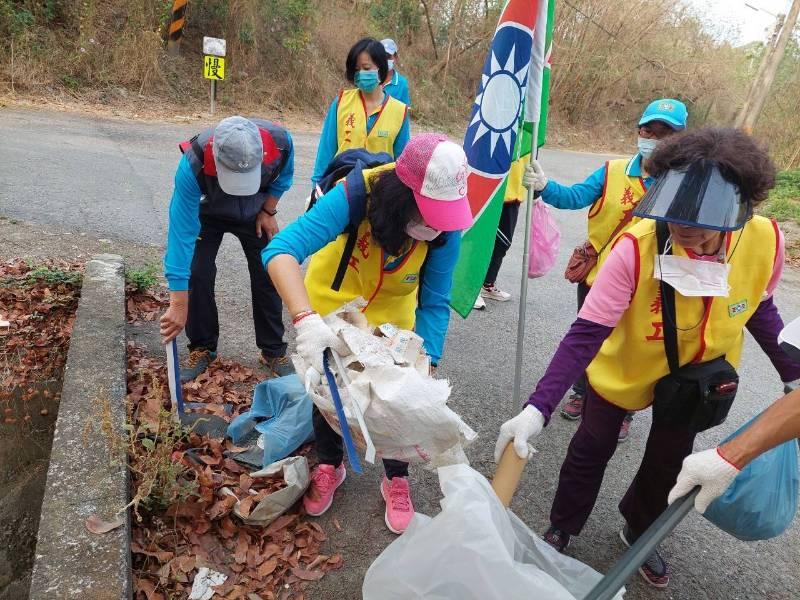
{"x": 759, "y": 91}
{"x": 176, "y": 24}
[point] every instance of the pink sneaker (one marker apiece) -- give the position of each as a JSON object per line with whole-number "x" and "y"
{"x": 324, "y": 481}
{"x": 399, "y": 509}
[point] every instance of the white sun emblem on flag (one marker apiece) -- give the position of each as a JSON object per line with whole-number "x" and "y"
{"x": 499, "y": 102}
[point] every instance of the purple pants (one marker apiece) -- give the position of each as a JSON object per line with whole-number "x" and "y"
{"x": 592, "y": 447}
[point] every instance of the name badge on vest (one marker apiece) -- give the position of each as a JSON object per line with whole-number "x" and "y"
{"x": 383, "y": 133}
{"x": 737, "y": 308}
{"x": 411, "y": 278}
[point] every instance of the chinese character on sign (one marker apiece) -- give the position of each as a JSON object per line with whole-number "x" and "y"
{"x": 214, "y": 67}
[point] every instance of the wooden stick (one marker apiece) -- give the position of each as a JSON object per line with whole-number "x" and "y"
{"x": 507, "y": 476}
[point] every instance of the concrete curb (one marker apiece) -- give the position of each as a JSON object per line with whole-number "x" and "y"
{"x": 81, "y": 480}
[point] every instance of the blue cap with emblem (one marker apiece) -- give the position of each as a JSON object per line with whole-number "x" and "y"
{"x": 238, "y": 154}
{"x": 668, "y": 110}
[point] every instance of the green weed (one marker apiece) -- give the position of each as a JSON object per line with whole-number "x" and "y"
{"x": 142, "y": 279}
{"x": 52, "y": 276}
{"x": 783, "y": 203}
{"x": 71, "y": 81}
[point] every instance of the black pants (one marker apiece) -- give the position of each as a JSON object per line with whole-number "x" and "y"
{"x": 331, "y": 452}
{"x": 579, "y": 387}
{"x": 202, "y": 326}
{"x": 502, "y": 242}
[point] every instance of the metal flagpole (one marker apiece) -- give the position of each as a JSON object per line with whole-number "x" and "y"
{"x": 523, "y": 285}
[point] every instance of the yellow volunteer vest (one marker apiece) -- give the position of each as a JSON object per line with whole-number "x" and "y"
{"x": 351, "y": 123}
{"x": 621, "y": 194}
{"x": 391, "y": 294}
{"x": 633, "y": 359}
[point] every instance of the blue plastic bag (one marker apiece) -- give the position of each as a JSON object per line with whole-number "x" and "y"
{"x": 762, "y": 501}
{"x": 281, "y": 410}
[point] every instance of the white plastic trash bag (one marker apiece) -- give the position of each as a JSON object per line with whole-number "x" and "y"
{"x": 474, "y": 549}
{"x": 405, "y": 409}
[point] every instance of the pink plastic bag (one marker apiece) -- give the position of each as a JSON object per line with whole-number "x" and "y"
{"x": 545, "y": 240}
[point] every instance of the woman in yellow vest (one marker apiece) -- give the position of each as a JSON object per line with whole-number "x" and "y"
{"x": 364, "y": 116}
{"x": 404, "y": 214}
{"x": 663, "y": 325}
{"x": 611, "y": 193}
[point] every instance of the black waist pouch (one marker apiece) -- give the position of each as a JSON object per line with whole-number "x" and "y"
{"x": 696, "y": 396}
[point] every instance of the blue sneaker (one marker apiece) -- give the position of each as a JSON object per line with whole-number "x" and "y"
{"x": 199, "y": 360}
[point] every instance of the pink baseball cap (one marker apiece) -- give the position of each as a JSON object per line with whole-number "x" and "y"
{"x": 436, "y": 171}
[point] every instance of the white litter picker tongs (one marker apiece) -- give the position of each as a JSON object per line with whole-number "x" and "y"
{"x": 352, "y": 453}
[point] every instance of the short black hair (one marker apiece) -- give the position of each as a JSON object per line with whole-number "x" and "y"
{"x": 376, "y": 52}
{"x": 740, "y": 158}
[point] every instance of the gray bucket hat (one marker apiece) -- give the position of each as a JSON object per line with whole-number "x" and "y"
{"x": 238, "y": 153}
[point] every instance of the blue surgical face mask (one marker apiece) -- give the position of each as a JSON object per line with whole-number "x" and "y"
{"x": 646, "y": 146}
{"x": 367, "y": 81}
{"x": 391, "y": 64}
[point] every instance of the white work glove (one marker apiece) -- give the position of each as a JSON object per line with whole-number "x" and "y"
{"x": 710, "y": 471}
{"x": 313, "y": 336}
{"x": 520, "y": 429}
{"x": 534, "y": 177}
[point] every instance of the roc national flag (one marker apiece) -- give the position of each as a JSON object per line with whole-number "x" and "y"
{"x": 491, "y": 141}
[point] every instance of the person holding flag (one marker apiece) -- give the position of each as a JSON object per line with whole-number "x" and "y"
{"x": 365, "y": 116}
{"x": 395, "y": 84}
{"x": 612, "y": 192}
{"x": 508, "y": 118}
{"x": 663, "y": 326}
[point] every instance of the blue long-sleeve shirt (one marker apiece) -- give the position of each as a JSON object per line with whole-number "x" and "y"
{"x": 581, "y": 195}
{"x": 184, "y": 218}
{"x": 329, "y": 217}
{"x": 329, "y": 140}
{"x": 398, "y": 88}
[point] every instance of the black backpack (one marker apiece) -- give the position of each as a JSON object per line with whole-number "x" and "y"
{"x": 349, "y": 166}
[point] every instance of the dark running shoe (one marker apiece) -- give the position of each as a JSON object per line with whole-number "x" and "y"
{"x": 655, "y": 569}
{"x": 277, "y": 366}
{"x": 556, "y": 538}
{"x": 199, "y": 359}
{"x": 573, "y": 407}
{"x": 625, "y": 429}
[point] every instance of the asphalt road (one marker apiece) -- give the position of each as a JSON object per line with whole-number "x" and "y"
{"x": 113, "y": 179}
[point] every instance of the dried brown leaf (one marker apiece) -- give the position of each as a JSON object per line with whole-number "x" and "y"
{"x": 221, "y": 507}
{"x": 267, "y": 567}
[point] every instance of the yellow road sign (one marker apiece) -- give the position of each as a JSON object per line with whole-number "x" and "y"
{"x": 214, "y": 67}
